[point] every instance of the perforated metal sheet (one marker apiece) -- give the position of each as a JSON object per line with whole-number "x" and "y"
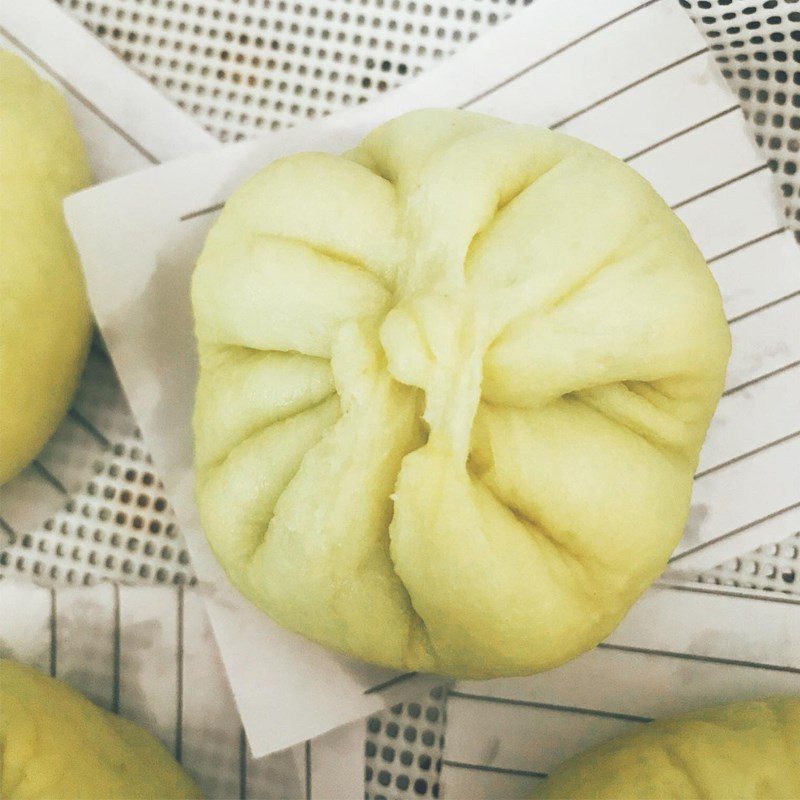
{"x": 757, "y": 46}
{"x": 403, "y": 749}
{"x": 244, "y": 66}
{"x": 119, "y": 525}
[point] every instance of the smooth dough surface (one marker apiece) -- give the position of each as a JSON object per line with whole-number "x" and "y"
{"x": 453, "y": 387}
{"x": 45, "y": 322}
{"x": 742, "y": 751}
{"x": 57, "y": 745}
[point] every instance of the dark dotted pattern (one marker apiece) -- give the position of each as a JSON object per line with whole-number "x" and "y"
{"x": 242, "y": 66}
{"x": 403, "y": 747}
{"x": 119, "y": 526}
{"x": 757, "y": 45}
{"x": 773, "y": 567}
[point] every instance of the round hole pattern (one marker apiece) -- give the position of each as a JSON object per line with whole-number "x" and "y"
{"x": 118, "y": 527}
{"x": 403, "y": 749}
{"x": 773, "y": 568}
{"x": 757, "y": 46}
{"x": 243, "y": 66}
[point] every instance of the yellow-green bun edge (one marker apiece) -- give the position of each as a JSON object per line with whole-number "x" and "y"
{"x": 55, "y": 744}
{"x": 739, "y": 751}
{"x": 45, "y": 320}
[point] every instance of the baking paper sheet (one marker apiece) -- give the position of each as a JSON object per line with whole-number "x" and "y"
{"x": 681, "y": 648}
{"x": 148, "y": 654}
{"x": 633, "y": 77}
{"x": 126, "y": 125}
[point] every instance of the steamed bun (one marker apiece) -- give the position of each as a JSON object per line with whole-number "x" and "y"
{"x": 45, "y": 323}
{"x": 742, "y": 751}
{"x": 57, "y": 745}
{"x": 453, "y": 386}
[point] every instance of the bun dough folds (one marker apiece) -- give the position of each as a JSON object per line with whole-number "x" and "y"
{"x": 452, "y": 392}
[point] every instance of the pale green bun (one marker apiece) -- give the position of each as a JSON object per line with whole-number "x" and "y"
{"x": 453, "y": 387}
{"x": 45, "y": 323}
{"x": 57, "y": 745}
{"x": 742, "y": 751}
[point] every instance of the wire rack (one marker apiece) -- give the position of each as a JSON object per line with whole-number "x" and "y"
{"x": 246, "y": 66}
